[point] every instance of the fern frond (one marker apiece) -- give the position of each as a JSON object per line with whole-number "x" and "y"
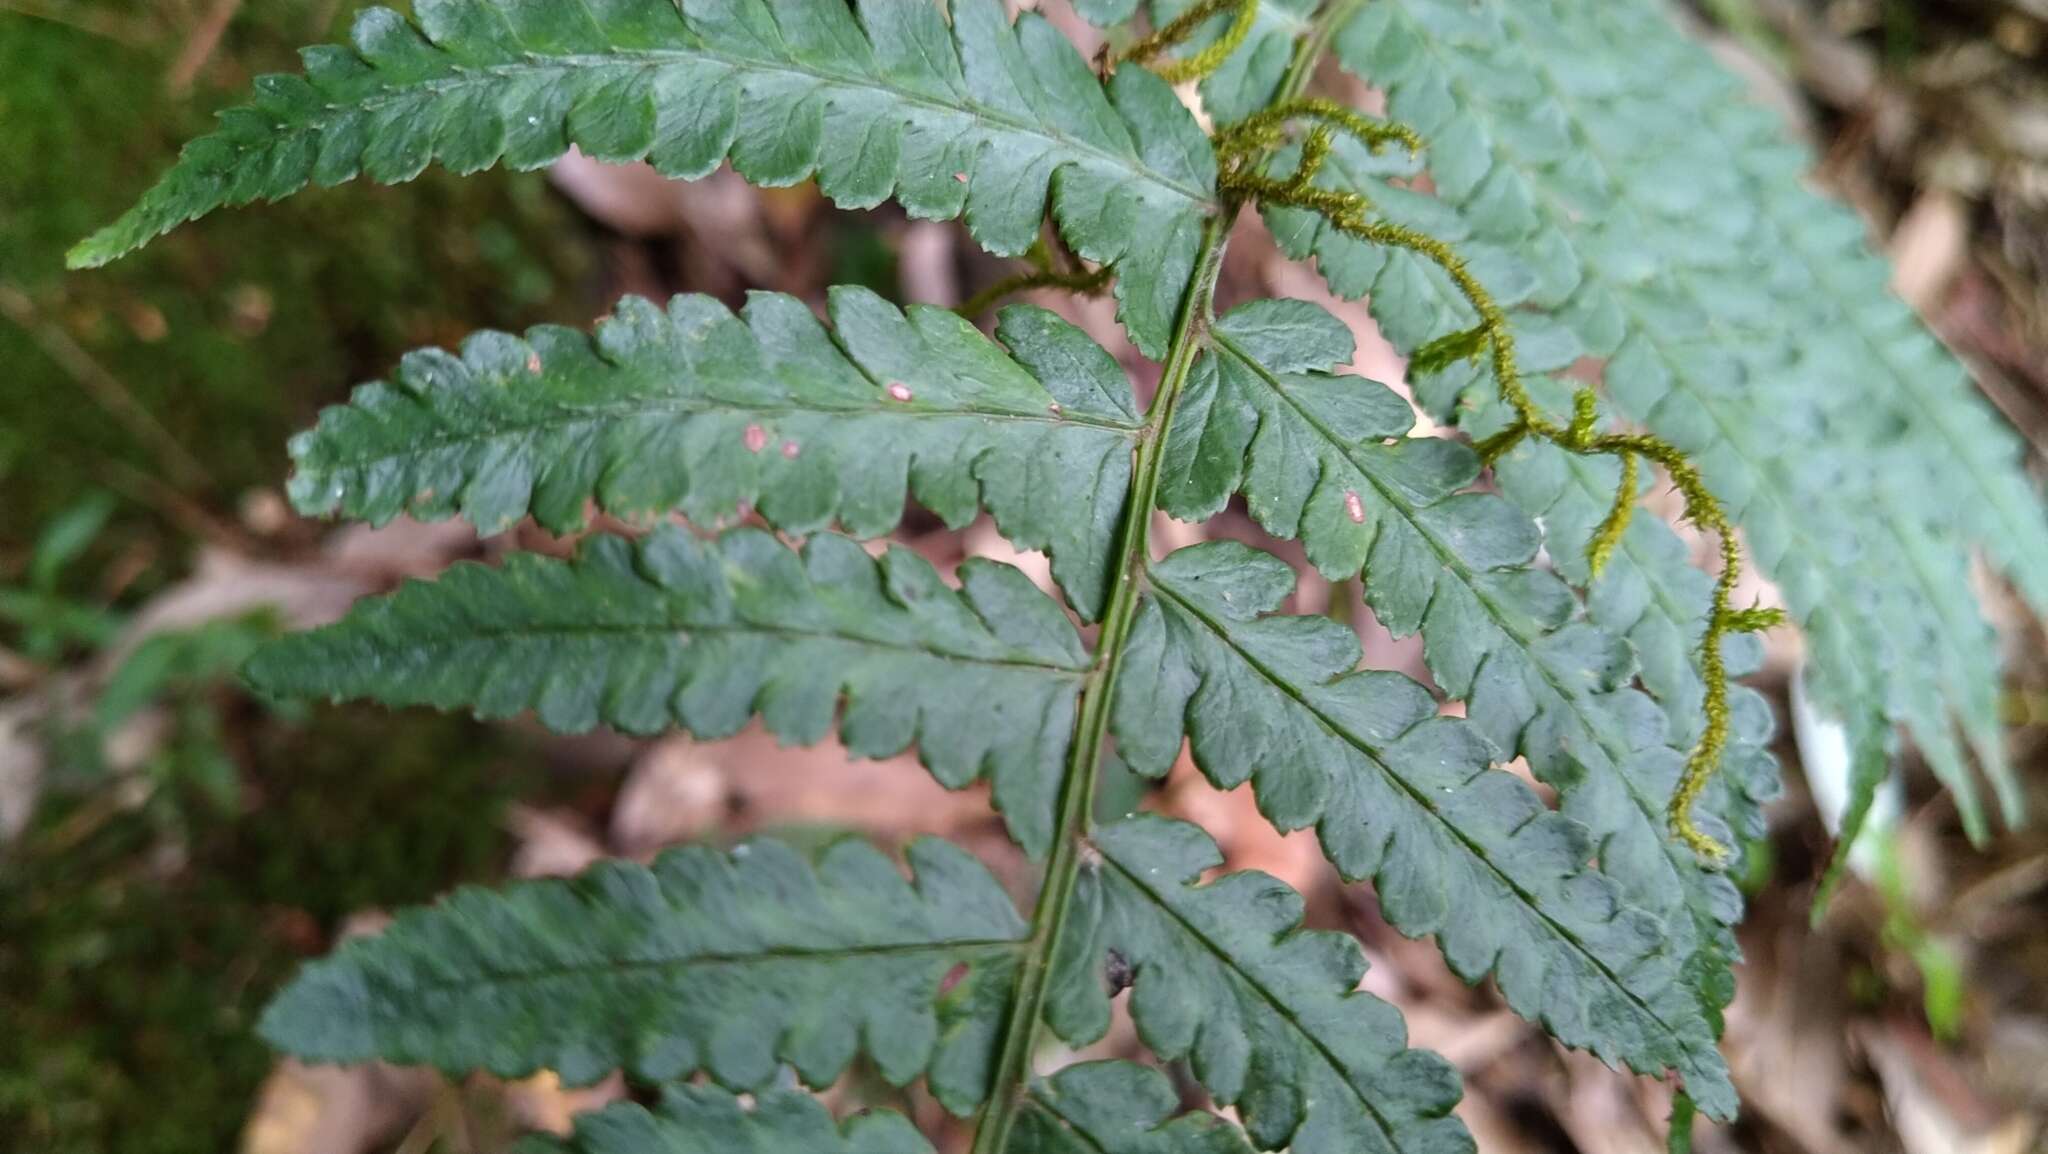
{"x": 1662, "y": 226}
{"x": 707, "y": 1120}
{"x": 695, "y": 410}
{"x": 675, "y": 631}
{"x": 729, "y": 963}
{"x": 1652, "y": 595}
{"x": 1089, "y": 1108}
{"x": 1250, "y": 72}
{"x": 1268, "y": 1015}
{"x": 981, "y": 119}
{"x": 1117, "y": 1108}
{"x": 1456, "y": 849}
{"x": 1326, "y": 459}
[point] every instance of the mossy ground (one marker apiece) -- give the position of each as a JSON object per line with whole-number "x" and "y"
{"x": 229, "y": 334}
{"x": 134, "y": 961}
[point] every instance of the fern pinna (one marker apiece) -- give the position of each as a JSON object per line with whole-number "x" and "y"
{"x": 1558, "y": 184}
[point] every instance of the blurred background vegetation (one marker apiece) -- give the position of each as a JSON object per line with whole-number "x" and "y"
{"x": 169, "y": 848}
{"x": 139, "y": 409}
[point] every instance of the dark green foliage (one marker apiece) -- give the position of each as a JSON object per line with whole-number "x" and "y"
{"x": 726, "y": 963}
{"x": 1643, "y": 210}
{"x": 1117, "y": 1108}
{"x": 707, "y": 1120}
{"x": 697, "y": 410}
{"x": 1268, "y": 1015}
{"x": 1248, "y": 78}
{"x": 1326, "y": 459}
{"x": 975, "y": 121}
{"x": 1404, "y": 798}
{"x": 1091, "y": 1108}
{"x": 676, "y": 631}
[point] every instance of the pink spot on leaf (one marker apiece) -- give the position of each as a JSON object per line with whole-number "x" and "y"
{"x": 756, "y": 438}
{"x": 1354, "y": 507}
{"x": 533, "y": 362}
{"x": 899, "y": 391}
{"x": 790, "y": 450}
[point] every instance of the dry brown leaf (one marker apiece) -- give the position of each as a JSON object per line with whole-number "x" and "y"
{"x": 335, "y": 1109}
{"x": 672, "y": 794}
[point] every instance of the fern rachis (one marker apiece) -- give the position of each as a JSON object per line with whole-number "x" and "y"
{"x": 1597, "y": 920}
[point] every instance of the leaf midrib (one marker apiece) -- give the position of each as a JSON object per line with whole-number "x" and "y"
{"x": 657, "y": 629}
{"x": 1477, "y": 850}
{"x": 987, "y": 947}
{"x": 567, "y": 417}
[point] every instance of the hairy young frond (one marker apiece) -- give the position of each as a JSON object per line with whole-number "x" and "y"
{"x": 1653, "y": 596}
{"x": 732, "y": 964}
{"x": 1656, "y": 219}
{"x": 695, "y": 410}
{"x": 1268, "y": 1015}
{"x": 1407, "y": 799}
{"x": 679, "y": 632}
{"x": 980, "y": 119}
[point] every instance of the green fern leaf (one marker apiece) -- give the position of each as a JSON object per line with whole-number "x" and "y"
{"x": 1456, "y": 850}
{"x": 708, "y": 1120}
{"x": 728, "y": 963}
{"x": 695, "y": 410}
{"x": 1655, "y": 597}
{"x": 1268, "y": 1015}
{"x": 1089, "y": 1108}
{"x": 981, "y": 119}
{"x": 1652, "y": 595}
{"x": 1741, "y": 317}
{"x": 1327, "y": 459}
{"x": 1117, "y": 1108}
{"x": 678, "y": 631}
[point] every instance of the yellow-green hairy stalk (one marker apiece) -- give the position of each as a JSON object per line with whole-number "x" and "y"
{"x": 1350, "y": 213}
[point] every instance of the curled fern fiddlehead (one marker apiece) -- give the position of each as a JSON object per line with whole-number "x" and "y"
{"x": 1242, "y": 178}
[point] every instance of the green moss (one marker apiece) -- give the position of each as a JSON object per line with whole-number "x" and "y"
{"x": 130, "y": 976}
{"x": 130, "y": 989}
{"x": 230, "y": 334}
